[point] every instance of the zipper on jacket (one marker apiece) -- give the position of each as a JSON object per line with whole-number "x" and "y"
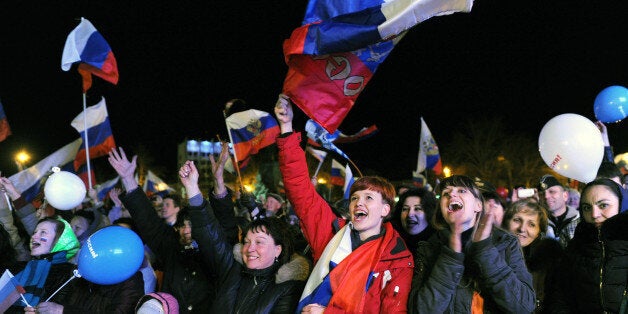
{"x": 599, "y": 239}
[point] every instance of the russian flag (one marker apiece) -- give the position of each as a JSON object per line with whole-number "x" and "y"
{"x": 104, "y": 188}
{"x": 5, "y": 129}
{"x": 317, "y": 153}
{"x": 342, "y": 176}
{"x": 250, "y": 131}
{"x": 155, "y": 185}
{"x": 10, "y": 291}
{"x": 86, "y": 45}
{"x": 429, "y": 156}
{"x": 29, "y": 180}
{"x": 95, "y": 122}
{"x": 339, "y": 46}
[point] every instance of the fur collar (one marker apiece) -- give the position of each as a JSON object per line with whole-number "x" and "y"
{"x": 298, "y": 268}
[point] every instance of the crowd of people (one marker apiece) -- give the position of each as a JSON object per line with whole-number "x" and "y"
{"x": 459, "y": 248}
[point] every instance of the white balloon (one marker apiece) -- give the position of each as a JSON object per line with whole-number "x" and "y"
{"x": 64, "y": 190}
{"x": 572, "y": 146}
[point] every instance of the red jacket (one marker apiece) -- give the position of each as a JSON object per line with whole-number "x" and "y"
{"x": 316, "y": 219}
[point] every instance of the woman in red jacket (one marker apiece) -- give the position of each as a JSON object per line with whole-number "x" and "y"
{"x": 363, "y": 267}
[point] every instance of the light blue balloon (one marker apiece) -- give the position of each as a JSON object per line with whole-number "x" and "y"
{"x": 111, "y": 255}
{"x": 611, "y": 104}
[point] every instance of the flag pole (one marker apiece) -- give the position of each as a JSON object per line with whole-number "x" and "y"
{"x": 89, "y": 172}
{"x": 318, "y": 168}
{"x": 235, "y": 156}
{"x": 356, "y": 167}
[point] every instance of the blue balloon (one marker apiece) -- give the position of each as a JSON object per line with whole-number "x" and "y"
{"x": 611, "y": 104}
{"x": 111, "y": 255}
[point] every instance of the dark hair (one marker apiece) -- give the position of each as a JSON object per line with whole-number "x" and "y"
{"x": 455, "y": 180}
{"x": 89, "y": 215}
{"x": 237, "y": 105}
{"x": 59, "y": 226}
{"x": 428, "y": 202}
{"x": 609, "y": 170}
{"x": 127, "y": 221}
{"x": 176, "y": 199}
{"x": 182, "y": 216}
{"x": 8, "y": 254}
{"x": 612, "y": 186}
{"x": 528, "y": 206}
{"x": 279, "y": 230}
{"x": 494, "y": 196}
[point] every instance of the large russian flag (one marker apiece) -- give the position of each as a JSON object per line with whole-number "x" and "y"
{"x": 94, "y": 122}
{"x": 86, "y": 45}
{"x": 5, "y": 129}
{"x": 250, "y": 131}
{"x": 335, "y": 53}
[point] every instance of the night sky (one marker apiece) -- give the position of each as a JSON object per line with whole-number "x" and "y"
{"x": 180, "y": 61}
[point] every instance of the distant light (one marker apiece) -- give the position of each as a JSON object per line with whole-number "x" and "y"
{"x": 22, "y": 157}
{"x": 207, "y": 147}
{"x": 447, "y": 172}
{"x": 321, "y": 181}
{"x": 248, "y": 188}
{"x": 193, "y": 146}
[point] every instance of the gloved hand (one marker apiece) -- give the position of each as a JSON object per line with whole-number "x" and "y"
{"x": 248, "y": 201}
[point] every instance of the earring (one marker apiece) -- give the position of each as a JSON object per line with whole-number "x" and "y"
{"x": 276, "y": 259}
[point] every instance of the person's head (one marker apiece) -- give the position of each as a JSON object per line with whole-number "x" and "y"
{"x": 526, "y": 219}
{"x": 81, "y": 221}
{"x": 341, "y": 208}
{"x": 460, "y": 203}
{"x": 554, "y": 194}
{"x": 126, "y": 222}
{"x": 609, "y": 170}
{"x": 170, "y": 207}
{"x": 273, "y": 204}
{"x": 402, "y": 188}
{"x": 53, "y": 234}
{"x": 601, "y": 199}
{"x": 157, "y": 303}
{"x": 158, "y": 203}
{"x": 370, "y": 204}
{"x": 266, "y": 241}
{"x": 414, "y": 210}
{"x": 183, "y": 225}
{"x": 494, "y": 204}
{"x": 573, "y": 198}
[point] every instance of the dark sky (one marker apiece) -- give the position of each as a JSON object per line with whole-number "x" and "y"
{"x": 180, "y": 61}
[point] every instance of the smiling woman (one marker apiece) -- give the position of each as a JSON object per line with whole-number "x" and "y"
{"x": 442, "y": 280}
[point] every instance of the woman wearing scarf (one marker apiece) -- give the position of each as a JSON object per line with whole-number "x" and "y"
{"x": 52, "y": 244}
{"x": 468, "y": 266}
{"x": 365, "y": 266}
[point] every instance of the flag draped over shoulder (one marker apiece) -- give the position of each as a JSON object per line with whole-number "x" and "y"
{"x": 250, "y": 131}
{"x": 334, "y": 54}
{"x": 155, "y": 185}
{"x": 429, "y": 156}
{"x": 5, "y": 129}
{"x": 29, "y": 180}
{"x": 98, "y": 131}
{"x": 87, "y": 46}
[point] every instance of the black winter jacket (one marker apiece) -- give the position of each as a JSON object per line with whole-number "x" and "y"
{"x": 594, "y": 274}
{"x": 186, "y": 277}
{"x": 241, "y": 290}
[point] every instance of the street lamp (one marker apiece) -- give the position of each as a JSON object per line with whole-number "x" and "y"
{"x": 21, "y": 158}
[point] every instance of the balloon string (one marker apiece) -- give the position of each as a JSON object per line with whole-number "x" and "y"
{"x": 75, "y": 275}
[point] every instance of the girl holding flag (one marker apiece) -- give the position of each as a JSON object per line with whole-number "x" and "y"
{"x": 363, "y": 267}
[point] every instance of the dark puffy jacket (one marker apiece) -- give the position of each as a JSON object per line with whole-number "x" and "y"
{"x": 444, "y": 280}
{"x": 593, "y": 276}
{"x": 242, "y": 290}
{"x": 185, "y": 276}
{"x": 92, "y": 298}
